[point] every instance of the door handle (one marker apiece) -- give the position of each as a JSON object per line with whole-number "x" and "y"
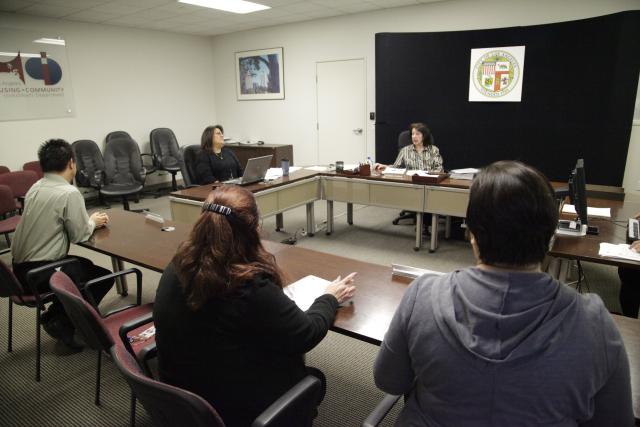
{"x": 358, "y": 131}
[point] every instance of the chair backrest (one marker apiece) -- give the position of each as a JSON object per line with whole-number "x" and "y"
{"x": 4, "y": 169}
{"x": 404, "y": 139}
{"x": 165, "y": 148}
{"x": 122, "y": 162}
{"x": 167, "y": 405}
{"x": 9, "y": 283}
{"x": 7, "y": 201}
{"x": 34, "y": 167}
{"x": 116, "y": 134}
{"x": 84, "y": 317}
{"x": 19, "y": 181}
{"x": 189, "y": 157}
{"x": 89, "y": 160}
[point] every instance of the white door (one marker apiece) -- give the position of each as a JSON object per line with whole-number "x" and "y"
{"x": 341, "y": 94}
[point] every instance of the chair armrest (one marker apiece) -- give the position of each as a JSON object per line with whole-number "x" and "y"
{"x": 31, "y": 274}
{"x": 129, "y": 326}
{"x": 380, "y": 411}
{"x": 301, "y": 400}
{"x": 137, "y": 272}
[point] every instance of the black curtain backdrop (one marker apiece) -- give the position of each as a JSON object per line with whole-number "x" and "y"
{"x": 578, "y": 95}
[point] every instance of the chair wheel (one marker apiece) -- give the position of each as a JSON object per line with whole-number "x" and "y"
{"x": 431, "y": 251}
{"x": 310, "y": 234}
{"x": 416, "y": 249}
{"x": 328, "y": 233}
{"x": 395, "y": 222}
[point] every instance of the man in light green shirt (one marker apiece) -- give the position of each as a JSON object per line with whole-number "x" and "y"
{"x": 54, "y": 217}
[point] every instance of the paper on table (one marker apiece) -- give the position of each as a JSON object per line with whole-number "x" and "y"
{"x": 465, "y": 170}
{"x": 601, "y": 212}
{"x": 394, "y": 171}
{"x": 419, "y": 172}
{"x": 350, "y": 166}
{"x": 305, "y": 291}
{"x": 275, "y": 173}
{"x": 618, "y": 251}
{"x": 317, "y": 168}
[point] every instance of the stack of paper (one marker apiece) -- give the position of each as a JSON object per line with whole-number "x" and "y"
{"x": 601, "y": 212}
{"x": 618, "y": 251}
{"x": 467, "y": 173}
{"x": 275, "y": 173}
{"x": 317, "y": 168}
{"x": 411, "y": 272}
{"x": 305, "y": 291}
{"x": 419, "y": 172}
{"x": 394, "y": 171}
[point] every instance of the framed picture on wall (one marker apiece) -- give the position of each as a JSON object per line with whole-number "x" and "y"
{"x": 259, "y": 74}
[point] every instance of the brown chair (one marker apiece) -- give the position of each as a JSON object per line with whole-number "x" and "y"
{"x": 10, "y": 287}
{"x": 102, "y": 332}
{"x": 8, "y": 223}
{"x": 34, "y": 167}
{"x": 20, "y": 182}
{"x": 170, "y": 406}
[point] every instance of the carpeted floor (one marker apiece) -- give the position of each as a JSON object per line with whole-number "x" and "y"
{"x": 65, "y": 395}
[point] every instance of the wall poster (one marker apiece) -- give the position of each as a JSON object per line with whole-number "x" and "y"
{"x": 34, "y": 76}
{"x": 496, "y": 74}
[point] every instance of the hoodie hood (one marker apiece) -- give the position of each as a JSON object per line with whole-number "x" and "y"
{"x": 502, "y": 316}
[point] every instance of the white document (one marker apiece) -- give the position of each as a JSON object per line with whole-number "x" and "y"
{"x": 419, "y": 172}
{"x": 317, "y": 168}
{"x": 351, "y": 166}
{"x": 601, "y": 212}
{"x": 394, "y": 171}
{"x": 305, "y": 291}
{"x": 466, "y": 170}
{"x": 275, "y": 173}
{"x": 618, "y": 251}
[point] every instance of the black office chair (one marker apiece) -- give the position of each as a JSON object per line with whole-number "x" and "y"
{"x": 90, "y": 166}
{"x": 170, "y": 406}
{"x": 116, "y": 134}
{"x": 124, "y": 173}
{"x": 380, "y": 411}
{"x": 189, "y": 155}
{"x": 166, "y": 153}
{"x": 404, "y": 139}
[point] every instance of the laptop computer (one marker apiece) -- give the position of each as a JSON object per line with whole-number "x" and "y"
{"x": 255, "y": 171}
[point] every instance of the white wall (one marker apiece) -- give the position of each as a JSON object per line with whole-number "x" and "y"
{"x": 293, "y": 121}
{"x": 123, "y": 79}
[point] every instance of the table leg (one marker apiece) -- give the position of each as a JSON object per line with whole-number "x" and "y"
{"x": 311, "y": 220}
{"x": 418, "y": 231}
{"x": 121, "y": 282}
{"x": 350, "y": 213}
{"x": 329, "y": 217}
{"x": 563, "y": 272}
{"x": 434, "y": 233}
{"x": 279, "y": 221}
{"x": 447, "y": 227}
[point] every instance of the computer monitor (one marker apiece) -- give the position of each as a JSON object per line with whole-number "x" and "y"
{"x": 578, "y": 191}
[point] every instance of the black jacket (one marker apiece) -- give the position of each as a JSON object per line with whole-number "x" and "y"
{"x": 240, "y": 352}
{"x": 211, "y": 167}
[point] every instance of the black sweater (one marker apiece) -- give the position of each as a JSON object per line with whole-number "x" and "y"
{"x": 240, "y": 352}
{"x": 211, "y": 168}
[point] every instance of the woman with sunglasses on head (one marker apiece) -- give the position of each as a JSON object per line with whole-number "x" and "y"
{"x": 225, "y": 329}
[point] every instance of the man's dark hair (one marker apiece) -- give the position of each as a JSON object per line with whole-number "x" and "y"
{"x": 54, "y": 155}
{"x": 512, "y": 214}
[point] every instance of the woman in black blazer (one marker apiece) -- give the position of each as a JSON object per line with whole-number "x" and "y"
{"x": 225, "y": 330}
{"x": 216, "y": 162}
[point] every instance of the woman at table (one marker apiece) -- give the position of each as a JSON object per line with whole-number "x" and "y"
{"x": 225, "y": 330}
{"x": 215, "y": 162}
{"x": 421, "y": 154}
{"x": 501, "y": 343}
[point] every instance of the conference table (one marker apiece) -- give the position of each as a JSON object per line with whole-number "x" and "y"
{"x": 130, "y": 237}
{"x": 305, "y": 186}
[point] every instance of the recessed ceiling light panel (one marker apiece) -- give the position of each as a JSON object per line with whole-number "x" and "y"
{"x": 235, "y": 6}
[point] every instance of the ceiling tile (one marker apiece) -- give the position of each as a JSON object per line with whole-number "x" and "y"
{"x": 91, "y": 16}
{"x": 14, "y": 5}
{"x": 49, "y": 10}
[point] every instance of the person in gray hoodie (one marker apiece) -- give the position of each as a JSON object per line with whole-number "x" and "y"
{"x": 502, "y": 343}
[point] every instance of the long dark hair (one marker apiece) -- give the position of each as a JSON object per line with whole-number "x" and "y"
{"x": 206, "y": 141}
{"x": 224, "y": 250}
{"x": 424, "y": 130}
